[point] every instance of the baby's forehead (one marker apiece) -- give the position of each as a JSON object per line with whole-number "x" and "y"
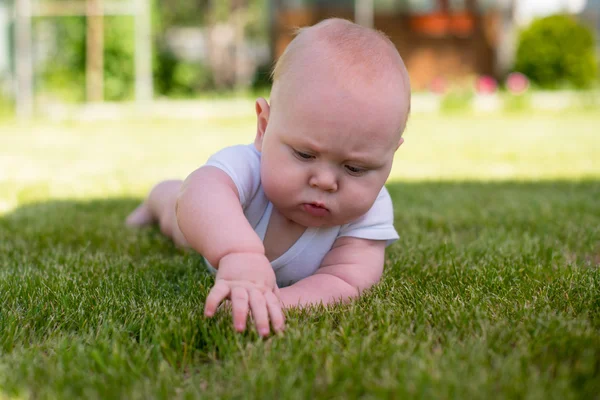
{"x": 345, "y": 51}
{"x": 345, "y": 45}
{"x": 323, "y": 106}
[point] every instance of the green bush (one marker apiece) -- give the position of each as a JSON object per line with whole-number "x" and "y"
{"x": 65, "y": 74}
{"x": 179, "y": 78}
{"x": 556, "y": 51}
{"x": 119, "y": 58}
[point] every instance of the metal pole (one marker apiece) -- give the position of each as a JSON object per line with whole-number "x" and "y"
{"x": 24, "y": 64}
{"x": 364, "y": 12}
{"x": 143, "y": 52}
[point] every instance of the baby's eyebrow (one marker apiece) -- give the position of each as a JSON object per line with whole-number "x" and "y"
{"x": 365, "y": 161}
{"x": 307, "y": 145}
{"x": 314, "y": 148}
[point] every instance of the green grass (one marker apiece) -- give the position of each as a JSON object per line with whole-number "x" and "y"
{"x": 493, "y": 289}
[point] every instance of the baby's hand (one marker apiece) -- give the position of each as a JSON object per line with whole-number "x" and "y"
{"x": 248, "y": 280}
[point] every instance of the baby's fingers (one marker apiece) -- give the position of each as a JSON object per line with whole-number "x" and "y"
{"x": 275, "y": 312}
{"x": 217, "y": 294}
{"x": 259, "y": 312}
{"x": 239, "y": 302}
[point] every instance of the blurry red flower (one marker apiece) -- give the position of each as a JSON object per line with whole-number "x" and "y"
{"x": 486, "y": 85}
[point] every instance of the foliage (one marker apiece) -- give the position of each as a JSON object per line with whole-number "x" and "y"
{"x": 557, "y": 50}
{"x": 178, "y": 78}
{"x": 516, "y": 102}
{"x": 119, "y": 64}
{"x": 172, "y": 76}
{"x": 457, "y": 99}
{"x": 181, "y": 12}
{"x": 262, "y": 80}
{"x": 190, "y": 77}
{"x": 66, "y": 71}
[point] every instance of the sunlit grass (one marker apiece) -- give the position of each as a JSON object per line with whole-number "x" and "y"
{"x": 521, "y": 146}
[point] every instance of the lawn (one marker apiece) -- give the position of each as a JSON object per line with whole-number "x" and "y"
{"x": 493, "y": 289}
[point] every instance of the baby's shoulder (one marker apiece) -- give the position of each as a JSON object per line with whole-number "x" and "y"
{"x": 237, "y": 151}
{"x": 238, "y": 157}
{"x": 242, "y": 164}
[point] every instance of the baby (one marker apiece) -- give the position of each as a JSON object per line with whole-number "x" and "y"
{"x": 301, "y": 216}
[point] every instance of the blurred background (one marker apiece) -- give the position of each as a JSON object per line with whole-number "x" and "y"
{"x": 104, "y": 97}
{"x": 59, "y": 52}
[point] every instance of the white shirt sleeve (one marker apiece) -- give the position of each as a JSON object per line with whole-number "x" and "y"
{"x": 376, "y": 224}
{"x": 242, "y": 164}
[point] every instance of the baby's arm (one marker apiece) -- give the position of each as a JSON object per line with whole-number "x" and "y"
{"x": 351, "y": 266}
{"x": 211, "y": 218}
{"x": 212, "y": 221}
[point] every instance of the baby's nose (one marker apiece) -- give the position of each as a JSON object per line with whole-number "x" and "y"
{"x": 325, "y": 180}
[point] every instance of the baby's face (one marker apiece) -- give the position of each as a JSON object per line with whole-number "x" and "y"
{"x": 327, "y": 152}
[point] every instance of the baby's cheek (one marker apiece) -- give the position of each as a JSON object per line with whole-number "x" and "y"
{"x": 275, "y": 184}
{"x": 361, "y": 207}
{"x": 267, "y": 180}
{"x": 285, "y": 177}
{"x": 361, "y": 201}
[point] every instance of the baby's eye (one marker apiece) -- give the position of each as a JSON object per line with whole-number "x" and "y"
{"x": 302, "y": 156}
{"x": 353, "y": 170}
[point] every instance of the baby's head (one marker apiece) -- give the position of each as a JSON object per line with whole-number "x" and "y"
{"x": 339, "y": 105}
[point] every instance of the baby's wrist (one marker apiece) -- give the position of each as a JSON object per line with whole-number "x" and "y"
{"x": 230, "y": 253}
{"x": 247, "y": 266}
{"x": 243, "y": 258}
{"x": 236, "y": 254}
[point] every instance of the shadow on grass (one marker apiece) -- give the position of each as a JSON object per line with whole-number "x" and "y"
{"x": 457, "y": 212}
{"x": 96, "y": 225}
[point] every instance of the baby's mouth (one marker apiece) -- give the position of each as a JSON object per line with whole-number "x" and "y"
{"x": 315, "y": 209}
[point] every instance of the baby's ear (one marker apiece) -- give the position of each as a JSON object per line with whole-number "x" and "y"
{"x": 262, "y": 120}
{"x": 400, "y": 142}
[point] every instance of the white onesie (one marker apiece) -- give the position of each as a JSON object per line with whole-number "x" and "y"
{"x": 303, "y": 258}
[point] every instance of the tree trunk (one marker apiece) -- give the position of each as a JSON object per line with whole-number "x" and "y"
{"x": 95, "y": 51}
